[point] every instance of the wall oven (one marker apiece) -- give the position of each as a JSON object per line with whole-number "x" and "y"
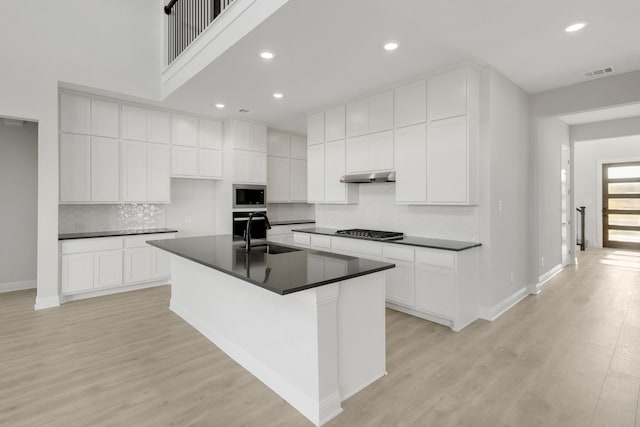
{"x": 249, "y": 196}
{"x": 258, "y": 225}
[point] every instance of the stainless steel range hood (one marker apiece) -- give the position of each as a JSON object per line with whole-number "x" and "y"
{"x": 368, "y": 178}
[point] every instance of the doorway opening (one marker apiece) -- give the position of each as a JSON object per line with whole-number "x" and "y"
{"x": 621, "y": 205}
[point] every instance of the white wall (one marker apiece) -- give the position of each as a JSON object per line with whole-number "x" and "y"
{"x": 19, "y": 195}
{"x": 551, "y": 135}
{"x": 607, "y": 129}
{"x": 377, "y": 210}
{"x": 506, "y": 170}
{"x": 112, "y": 45}
{"x": 588, "y": 159}
{"x": 290, "y": 211}
{"x": 193, "y": 207}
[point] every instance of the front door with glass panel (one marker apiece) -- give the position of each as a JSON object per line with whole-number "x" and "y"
{"x": 621, "y": 205}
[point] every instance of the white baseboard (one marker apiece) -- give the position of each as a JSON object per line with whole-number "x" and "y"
{"x": 492, "y": 313}
{"x": 549, "y": 274}
{"x": 18, "y": 286}
{"x": 49, "y": 302}
{"x": 110, "y": 291}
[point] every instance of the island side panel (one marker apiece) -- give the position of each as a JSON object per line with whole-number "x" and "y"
{"x": 288, "y": 342}
{"x": 361, "y": 332}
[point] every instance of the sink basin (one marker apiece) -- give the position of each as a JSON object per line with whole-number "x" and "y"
{"x": 272, "y": 249}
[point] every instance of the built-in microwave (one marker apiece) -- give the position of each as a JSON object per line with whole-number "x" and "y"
{"x": 249, "y": 196}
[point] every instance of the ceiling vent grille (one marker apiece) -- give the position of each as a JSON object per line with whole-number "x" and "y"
{"x": 599, "y": 72}
{"x": 243, "y": 110}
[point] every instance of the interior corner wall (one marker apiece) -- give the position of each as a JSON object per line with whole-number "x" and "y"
{"x": 550, "y": 135}
{"x": 19, "y": 193}
{"x": 192, "y": 210}
{"x": 110, "y": 45}
{"x": 505, "y": 175}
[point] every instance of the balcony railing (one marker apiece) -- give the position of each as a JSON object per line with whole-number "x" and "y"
{"x": 187, "y": 19}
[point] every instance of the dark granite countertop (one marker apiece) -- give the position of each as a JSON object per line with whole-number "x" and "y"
{"x": 114, "y": 233}
{"x": 424, "y": 242}
{"x": 293, "y": 222}
{"x": 282, "y": 273}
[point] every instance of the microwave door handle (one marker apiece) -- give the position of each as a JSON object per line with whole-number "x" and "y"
{"x": 247, "y": 219}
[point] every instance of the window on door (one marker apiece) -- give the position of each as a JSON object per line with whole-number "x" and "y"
{"x": 621, "y": 205}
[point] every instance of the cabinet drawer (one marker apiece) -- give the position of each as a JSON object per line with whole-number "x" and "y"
{"x": 435, "y": 257}
{"x": 91, "y": 245}
{"x": 301, "y": 239}
{"x": 357, "y": 246}
{"x": 139, "y": 241}
{"x": 401, "y": 253}
{"x": 322, "y": 242}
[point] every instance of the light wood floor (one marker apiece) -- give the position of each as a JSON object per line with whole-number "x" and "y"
{"x": 567, "y": 357}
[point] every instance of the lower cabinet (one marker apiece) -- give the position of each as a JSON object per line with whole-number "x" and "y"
{"x": 94, "y": 264}
{"x": 434, "y": 284}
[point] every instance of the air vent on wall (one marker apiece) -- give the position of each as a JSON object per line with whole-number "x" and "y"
{"x": 599, "y": 72}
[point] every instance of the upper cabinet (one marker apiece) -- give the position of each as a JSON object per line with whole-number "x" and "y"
{"x": 315, "y": 128}
{"x": 75, "y": 114}
{"x": 248, "y": 148}
{"x": 141, "y": 124}
{"x": 158, "y": 126}
{"x": 286, "y": 167}
{"x": 447, "y": 95}
{"x": 184, "y": 130}
{"x": 334, "y": 123}
{"x": 210, "y": 134}
{"x": 370, "y": 115}
{"x": 105, "y": 118}
{"x": 410, "y": 104}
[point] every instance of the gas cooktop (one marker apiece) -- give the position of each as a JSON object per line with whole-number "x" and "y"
{"x": 370, "y": 234}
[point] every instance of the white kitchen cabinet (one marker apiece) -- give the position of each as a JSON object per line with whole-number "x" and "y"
{"x": 410, "y": 164}
{"x": 334, "y": 169}
{"x": 435, "y": 291}
{"x": 447, "y": 95}
{"x": 134, "y": 123}
{"x": 400, "y": 282}
{"x": 158, "y": 173}
{"x": 210, "y": 163}
{"x": 279, "y": 144}
{"x": 381, "y": 112}
{"x": 298, "y": 181}
{"x": 105, "y": 170}
{"x": 249, "y": 167}
{"x": 160, "y": 264}
{"x": 298, "y": 147}
{"x": 184, "y": 161}
{"x": 370, "y": 153}
{"x": 77, "y": 272}
{"x": 184, "y": 130}
{"x": 105, "y": 118}
{"x": 279, "y": 173}
{"x": 315, "y": 128}
{"x": 315, "y": 173}
{"x": 75, "y": 168}
{"x": 137, "y": 264}
{"x": 334, "y": 123}
{"x": 410, "y": 104}
{"x": 134, "y": 171}
{"x": 75, "y": 114}
{"x": 158, "y": 127}
{"x": 447, "y": 160}
{"x": 107, "y": 268}
{"x": 210, "y": 134}
{"x": 358, "y": 118}
{"x": 241, "y": 134}
{"x": 258, "y": 138}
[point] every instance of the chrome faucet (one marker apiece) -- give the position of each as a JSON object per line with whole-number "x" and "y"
{"x": 247, "y": 232}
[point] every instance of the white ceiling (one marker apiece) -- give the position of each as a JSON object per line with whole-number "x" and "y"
{"x": 330, "y": 51}
{"x": 613, "y": 113}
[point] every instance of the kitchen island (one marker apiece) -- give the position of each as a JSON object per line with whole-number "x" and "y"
{"x": 308, "y": 324}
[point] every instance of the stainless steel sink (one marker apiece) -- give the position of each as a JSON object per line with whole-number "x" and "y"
{"x": 273, "y": 249}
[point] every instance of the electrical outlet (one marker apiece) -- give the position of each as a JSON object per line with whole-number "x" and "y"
{"x": 542, "y": 261}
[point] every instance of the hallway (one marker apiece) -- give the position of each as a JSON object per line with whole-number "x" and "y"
{"x": 569, "y": 356}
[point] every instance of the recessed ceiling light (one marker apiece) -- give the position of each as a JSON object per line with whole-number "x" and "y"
{"x": 220, "y": 106}
{"x": 391, "y": 45}
{"x": 267, "y": 54}
{"x": 278, "y": 95}
{"x": 575, "y": 27}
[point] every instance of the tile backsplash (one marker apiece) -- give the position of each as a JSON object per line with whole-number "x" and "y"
{"x": 76, "y": 218}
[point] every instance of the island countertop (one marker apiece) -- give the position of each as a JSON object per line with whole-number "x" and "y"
{"x": 282, "y": 273}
